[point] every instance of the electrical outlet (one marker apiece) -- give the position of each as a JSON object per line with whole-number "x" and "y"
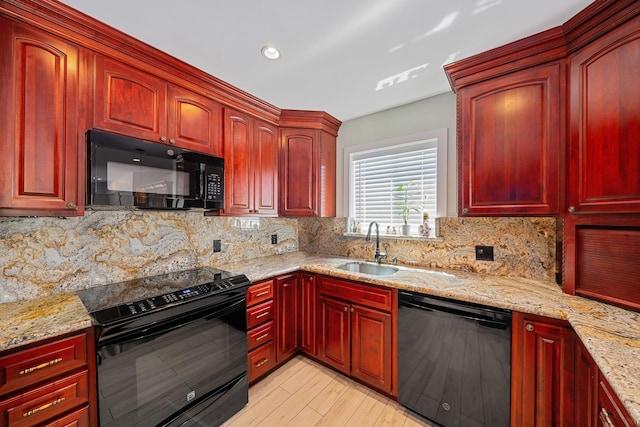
{"x": 274, "y": 239}
{"x": 217, "y": 247}
{"x": 484, "y": 253}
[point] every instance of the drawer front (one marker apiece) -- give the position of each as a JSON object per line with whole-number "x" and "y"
{"x": 26, "y": 367}
{"x": 43, "y": 403}
{"x": 79, "y": 418}
{"x": 261, "y": 360}
{"x": 260, "y": 292}
{"x": 260, "y": 335}
{"x": 370, "y": 296}
{"x": 259, "y": 314}
{"x": 610, "y": 409}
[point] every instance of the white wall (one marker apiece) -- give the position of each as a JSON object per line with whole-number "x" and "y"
{"x": 425, "y": 115}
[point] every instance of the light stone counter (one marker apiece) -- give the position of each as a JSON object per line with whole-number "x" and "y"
{"x": 610, "y": 334}
{"x": 32, "y": 320}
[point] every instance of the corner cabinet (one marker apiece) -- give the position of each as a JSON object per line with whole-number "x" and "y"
{"x": 542, "y": 372}
{"x": 356, "y": 331}
{"x": 251, "y": 165}
{"x": 287, "y": 316}
{"x": 510, "y": 129}
{"x": 41, "y": 122}
{"x": 133, "y": 102}
{"x": 307, "y": 163}
{"x": 308, "y": 313}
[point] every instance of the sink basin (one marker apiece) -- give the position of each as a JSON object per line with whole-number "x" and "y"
{"x": 367, "y": 268}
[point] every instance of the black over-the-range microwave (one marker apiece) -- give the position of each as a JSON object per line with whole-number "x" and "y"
{"x": 130, "y": 172}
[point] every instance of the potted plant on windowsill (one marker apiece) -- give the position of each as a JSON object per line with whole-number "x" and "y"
{"x": 406, "y": 207}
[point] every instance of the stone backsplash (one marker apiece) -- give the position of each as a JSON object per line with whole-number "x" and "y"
{"x": 41, "y": 256}
{"x": 523, "y": 247}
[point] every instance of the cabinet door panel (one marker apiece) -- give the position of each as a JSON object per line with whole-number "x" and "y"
{"x": 288, "y": 294}
{"x": 371, "y": 347}
{"x": 308, "y": 313}
{"x": 129, "y": 101}
{"x": 335, "y": 336}
{"x": 39, "y": 121}
{"x": 586, "y": 387}
{"x": 510, "y": 143}
{"x": 194, "y": 121}
{"x": 265, "y": 151}
{"x": 298, "y": 189}
{"x": 542, "y": 377}
{"x": 239, "y": 164}
{"x": 605, "y": 123}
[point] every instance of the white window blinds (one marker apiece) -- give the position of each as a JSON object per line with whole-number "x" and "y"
{"x": 376, "y": 176}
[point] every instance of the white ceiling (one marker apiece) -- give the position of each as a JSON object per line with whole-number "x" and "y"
{"x": 347, "y": 57}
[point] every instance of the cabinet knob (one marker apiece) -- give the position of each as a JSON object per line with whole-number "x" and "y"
{"x": 172, "y": 141}
{"x": 346, "y": 308}
{"x": 529, "y": 327}
{"x": 352, "y": 309}
{"x": 72, "y": 205}
{"x": 311, "y": 278}
{"x": 163, "y": 138}
{"x": 571, "y": 209}
{"x": 465, "y": 210}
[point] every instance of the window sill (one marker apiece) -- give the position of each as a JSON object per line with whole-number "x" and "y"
{"x": 396, "y": 237}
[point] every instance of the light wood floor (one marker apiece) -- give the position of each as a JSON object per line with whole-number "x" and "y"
{"x": 305, "y": 393}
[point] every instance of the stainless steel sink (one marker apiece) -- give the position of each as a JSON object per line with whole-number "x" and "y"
{"x": 368, "y": 268}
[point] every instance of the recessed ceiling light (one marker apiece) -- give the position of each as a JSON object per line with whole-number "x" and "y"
{"x": 270, "y": 52}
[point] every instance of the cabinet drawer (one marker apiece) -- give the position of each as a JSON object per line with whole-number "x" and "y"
{"x": 260, "y": 335}
{"x": 370, "y": 296}
{"x": 260, "y": 292}
{"x": 79, "y": 418}
{"x": 43, "y": 403}
{"x": 259, "y": 314}
{"x": 26, "y": 367}
{"x": 610, "y": 410}
{"x": 261, "y": 360}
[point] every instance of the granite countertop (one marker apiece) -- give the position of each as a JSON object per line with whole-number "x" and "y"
{"x": 611, "y": 334}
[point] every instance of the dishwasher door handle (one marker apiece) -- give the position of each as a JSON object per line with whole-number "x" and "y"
{"x": 482, "y": 321}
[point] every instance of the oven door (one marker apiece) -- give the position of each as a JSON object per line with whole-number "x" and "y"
{"x": 190, "y": 370}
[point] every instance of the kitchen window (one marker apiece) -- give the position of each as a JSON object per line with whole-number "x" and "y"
{"x": 374, "y": 173}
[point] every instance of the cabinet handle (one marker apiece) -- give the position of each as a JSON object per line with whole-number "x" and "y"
{"x": 43, "y": 407}
{"x": 40, "y": 366}
{"x": 262, "y": 362}
{"x": 261, "y": 337}
{"x": 71, "y": 205}
{"x": 604, "y": 417}
{"x": 163, "y": 138}
{"x": 571, "y": 209}
{"x": 259, "y": 294}
{"x": 262, "y": 315}
{"x": 529, "y": 327}
{"x": 172, "y": 141}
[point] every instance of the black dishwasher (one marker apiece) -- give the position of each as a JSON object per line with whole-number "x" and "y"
{"x": 454, "y": 360}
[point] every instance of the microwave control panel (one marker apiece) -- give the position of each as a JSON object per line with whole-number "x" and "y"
{"x": 213, "y": 183}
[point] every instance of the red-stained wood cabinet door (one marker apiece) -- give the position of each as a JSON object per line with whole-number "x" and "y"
{"x": 194, "y": 121}
{"x": 509, "y": 143}
{"x": 298, "y": 157}
{"x": 41, "y": 166}
{"x": 371, "y": 347}
{"x": 586, "y": 387}
{"x": 129, "y": 101}
{"x": 308, "y": 311}
{"x": 238, "y": 163}
{"x": 334, "y": 346}
{"x": 542, "y": 372}
{"x": 265, "y": 154}
{"x": 604, "y": 123}
{"x": 288, "y": 316}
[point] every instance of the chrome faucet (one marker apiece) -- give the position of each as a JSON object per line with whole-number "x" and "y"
{"x": 378, "y": 256}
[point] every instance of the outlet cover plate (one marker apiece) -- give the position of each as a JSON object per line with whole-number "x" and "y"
{"x": 274, "y": 239}
{"x": 217, "y": 246}
{"x": 484, "y": 253}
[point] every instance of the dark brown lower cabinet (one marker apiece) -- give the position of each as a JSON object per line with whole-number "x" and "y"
{"x": 542, "y": 372}
{"x": 356, "y": 331}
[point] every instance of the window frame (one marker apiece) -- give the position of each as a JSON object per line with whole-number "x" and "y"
{"x": 401, "y": 143}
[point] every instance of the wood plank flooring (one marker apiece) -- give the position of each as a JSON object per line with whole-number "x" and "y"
{"x": 305, "y": 393}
